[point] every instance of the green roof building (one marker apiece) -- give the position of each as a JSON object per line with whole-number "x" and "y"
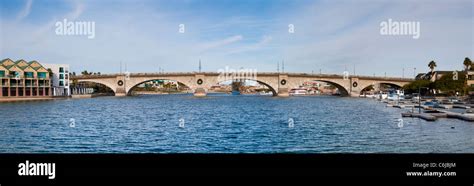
{"x": 24, "y": 79}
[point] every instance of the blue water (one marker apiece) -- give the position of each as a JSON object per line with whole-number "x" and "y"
{"x": 224, "y": 124}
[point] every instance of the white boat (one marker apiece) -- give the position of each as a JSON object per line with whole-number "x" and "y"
{"x": 381, "y": 95}
{"x": 415, "y": 98}
{"x": 396, "y": 95}
{"x": 298, "y": 91}
{"x": 368, "y": 96}
{"x": 263, "y": 93}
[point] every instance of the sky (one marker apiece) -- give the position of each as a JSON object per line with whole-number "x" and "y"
{"x": 329, "y": 36}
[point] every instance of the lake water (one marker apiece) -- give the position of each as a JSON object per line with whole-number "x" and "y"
{"x": 224, "y": 124}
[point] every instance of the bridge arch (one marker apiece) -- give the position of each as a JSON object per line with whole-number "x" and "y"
{"x": 392, "y": 84}
{"x": 342, "y": 90}
{"x": 135, "y": 84}
{"x": 274, "y": 92}
{"x": 98, "y": 81}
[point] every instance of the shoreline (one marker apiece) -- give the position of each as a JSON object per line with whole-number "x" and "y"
{"x": 14, "y": 99}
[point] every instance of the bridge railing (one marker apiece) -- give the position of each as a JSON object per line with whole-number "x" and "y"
{"x": 259, "y": 73}
{"x": 135, "y": 74}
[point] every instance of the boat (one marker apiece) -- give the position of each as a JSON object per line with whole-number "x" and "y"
{"x": 381, "y": 95}
{"x": 396, "y": 95}
{"x": 298, "y": 91}
{"x": 415, "y": 98}
{"x": 368, "y": 95}
{"x": 431, "y": 104}
{"x": 263, "y": 93}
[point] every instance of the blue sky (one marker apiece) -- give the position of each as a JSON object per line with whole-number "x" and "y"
{"x": 329, "y": 35}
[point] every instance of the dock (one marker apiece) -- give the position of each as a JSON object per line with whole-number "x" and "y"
{"x": 432, "y": 113}
{"x": 461, "y": 106}
{"x": 465, "y": 117}
{"x": 435, "y": 114}
{"x": 444, "y": 106}
{"x": 427, "y": 117}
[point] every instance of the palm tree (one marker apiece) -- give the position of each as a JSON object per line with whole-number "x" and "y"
{"x": 432, "y": 65}
{"x": 467, "y": 63}
{"x": 50, "y": 72}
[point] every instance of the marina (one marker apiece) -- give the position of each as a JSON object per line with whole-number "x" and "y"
{"x": 431, "y": 112}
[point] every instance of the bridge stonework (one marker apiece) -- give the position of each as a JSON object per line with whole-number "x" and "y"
{"x": 279, "y": 83}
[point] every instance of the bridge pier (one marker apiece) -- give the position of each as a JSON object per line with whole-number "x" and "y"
{"x": 200, "y": 92}
{"x": 120, "y": 89}
{"x": 354, "y": 94}
{"x": 283, "y": 92}
{"x": 200, "y": 85}
{"x": 120, "y": 94}
{"x": 283, "y": 85}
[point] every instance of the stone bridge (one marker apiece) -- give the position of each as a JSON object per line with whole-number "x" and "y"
{"x": 278, "y": 83}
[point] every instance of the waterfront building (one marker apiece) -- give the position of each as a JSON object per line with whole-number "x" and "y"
{"x": 432, "y": 76}
{"x": 470, "y": 78}
{"x": 24, "y": 79}
{"x": 59, "y": 79}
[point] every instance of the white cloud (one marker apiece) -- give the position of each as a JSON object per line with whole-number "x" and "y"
{"x": 26, "y": 10}
{"x": 220, "y": 43}
{"x": 252, "y": 47}
{"x": 78, "y": 9}
{"x": 333, "y": 36}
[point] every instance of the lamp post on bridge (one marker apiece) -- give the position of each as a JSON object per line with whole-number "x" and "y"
{"x": 283, "y": 66}
{"x": 199, "y": 65}
{"x": 354, "y": 70}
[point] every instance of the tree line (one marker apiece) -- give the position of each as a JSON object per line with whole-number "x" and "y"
{"x": 449, "y": 84}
